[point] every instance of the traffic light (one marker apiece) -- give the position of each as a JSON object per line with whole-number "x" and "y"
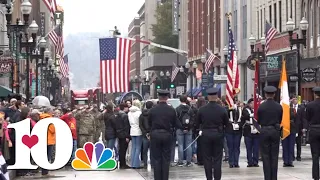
{"x": 158, "y": 87}
{"x": 171, "y": 85}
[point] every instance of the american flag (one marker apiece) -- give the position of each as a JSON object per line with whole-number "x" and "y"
{"x": 64, "y": 66}
{"x": 233, "y": 81}
{"x": 114, "y": 64}
{"x": 53, "y": 35}
{"x": 175, "y": 71}
{"x": 210, "y": 61}
{"x": 270, "y": 33}
{"x": 52, "y": 6}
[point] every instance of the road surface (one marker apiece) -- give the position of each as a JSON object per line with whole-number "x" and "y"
{"x": 301, "y": 171}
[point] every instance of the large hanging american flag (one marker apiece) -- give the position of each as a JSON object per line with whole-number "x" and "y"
{"x": 233, "y": 81}
{"x": 52, "y": 6}
{"x": 114, "y": 64}
{"x": 270, "y": 33}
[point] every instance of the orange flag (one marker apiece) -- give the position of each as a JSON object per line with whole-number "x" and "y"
{"x": 284, "y": 101}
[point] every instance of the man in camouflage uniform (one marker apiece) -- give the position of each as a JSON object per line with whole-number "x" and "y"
{"x": 86, "y": 127}
{"x": 97, "y": 118}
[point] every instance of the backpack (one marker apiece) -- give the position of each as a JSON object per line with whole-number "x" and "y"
{"x": 185, "y": 117}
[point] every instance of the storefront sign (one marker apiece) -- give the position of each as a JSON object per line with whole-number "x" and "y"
{"x": 5, "y": 65}
{"x": 274, "y": 63}
{"x": 308, "y": 74}
{"x": 58, "y": 17}
{"x": 42, "y": 28}
{"x": 175, "y": 17}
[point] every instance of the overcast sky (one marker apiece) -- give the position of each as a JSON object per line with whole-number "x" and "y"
{"x": 98, "y": 15}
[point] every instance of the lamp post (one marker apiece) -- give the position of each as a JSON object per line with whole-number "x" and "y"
{"x": 225, "y": 54}
{"x": 38, "y": 55}
{"x": 257, "y": 54}
{"x": 29, "y": 45}
{"x": 298, "y": 41}
{"x": 165, "y": 77}
{"x": 26, "y": 8}
{"x": 44, "y": 64}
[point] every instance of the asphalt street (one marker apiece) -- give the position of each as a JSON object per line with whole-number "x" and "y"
{"x": 301, "y": 171}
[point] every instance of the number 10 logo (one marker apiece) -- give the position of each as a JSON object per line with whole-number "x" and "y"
{"x": 36, "y": 144}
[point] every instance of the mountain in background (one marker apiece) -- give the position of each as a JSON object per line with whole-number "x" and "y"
{"x": 83, "y": 54}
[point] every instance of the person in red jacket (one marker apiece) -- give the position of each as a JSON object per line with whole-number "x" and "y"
{"x": 72, "y": 123}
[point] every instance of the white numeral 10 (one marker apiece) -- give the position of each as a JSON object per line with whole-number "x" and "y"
{"x": 63, "y": 146}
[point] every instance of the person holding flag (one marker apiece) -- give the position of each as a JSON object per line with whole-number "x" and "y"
{"x": 269, "y": 118}
{"x": 288, "y": 134}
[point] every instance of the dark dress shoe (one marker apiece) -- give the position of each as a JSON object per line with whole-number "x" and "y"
{"x": 256, "y": 165}
{"x": 231, "y": 166}
{"x": 236, "y": 166}
{"x": 290, "y": 165}
{"x": 285, "y": 165}
{"x": 298, "y": 158}
{"x": 249, "y": 165}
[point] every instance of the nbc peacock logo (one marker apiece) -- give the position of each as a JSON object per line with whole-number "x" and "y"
{"x": 94, "y": 157}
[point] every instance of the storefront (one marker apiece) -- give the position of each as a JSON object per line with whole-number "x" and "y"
{"x": 310, "y": 73}
{"x": 270, "y": 70}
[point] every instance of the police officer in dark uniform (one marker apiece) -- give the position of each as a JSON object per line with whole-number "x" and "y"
{"x": 313, "y": 118}
{"x": 269, "y": 118}
{"x": 212, "y": 120}
{"x": 162, "y": 120}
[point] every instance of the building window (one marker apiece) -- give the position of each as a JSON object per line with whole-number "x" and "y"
{"x": 275, "y": 15}
{"x": 244, "y": 23}
{"x": 261, "y": 23}
{"x": 258, "y": 23}
{"x": 235, "y": 23}
{"x": 270, "y": 14}
{"x": 280, "y": 17}
{"x": 287, "y": 11}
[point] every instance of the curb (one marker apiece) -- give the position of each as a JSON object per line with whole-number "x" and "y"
{"x": 12, "y": 174}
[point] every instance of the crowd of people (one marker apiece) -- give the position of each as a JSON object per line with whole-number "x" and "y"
{"x": 134, "y": 128}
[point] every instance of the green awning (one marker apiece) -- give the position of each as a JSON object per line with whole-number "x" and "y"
{"x": 4, "y": 91}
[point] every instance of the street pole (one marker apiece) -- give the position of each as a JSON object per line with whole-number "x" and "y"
{"x": 299, "y": 69}
{"x": 28, "y": 73}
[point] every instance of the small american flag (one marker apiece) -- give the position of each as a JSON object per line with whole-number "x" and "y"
{"x": 114, "y": 64}
{"x": 52, "y": 6}
{"x": 210, "y": 61}
{"x": 175, "y": 71}
{"x": 64, "y": 66}
{"x": 53, "y": 35}
{"x": 270, "y": 33}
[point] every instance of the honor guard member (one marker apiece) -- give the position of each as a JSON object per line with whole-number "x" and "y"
{"x": 162, "y": 120}
{"x": 212, "y": 120}
{"x": 313, "y": 118}
{"x": 269, "y": 118}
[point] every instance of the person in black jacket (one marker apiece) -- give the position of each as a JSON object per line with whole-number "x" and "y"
{"x": 185, "y": 115}
{"x": 233, "y": 135}
{"x": 251, "y": 135}
{"x": 110, "y": 134}
{"x": 145, "y": 128}
{"x": 122, "y": 128}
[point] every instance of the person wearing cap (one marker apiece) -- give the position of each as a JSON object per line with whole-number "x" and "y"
{"x": 212, "y": 120}
{"x": 86, "y": 127}
{"x": 251, "y": 135}
{"x": 162, "y": 120}
{"x": 269, "y": 118}
{"x": 313, "y": 118}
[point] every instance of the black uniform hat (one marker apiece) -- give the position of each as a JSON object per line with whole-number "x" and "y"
{"x": 250, "y": 100}
{"x": 270, "y": 89}
{"x": 316, "y": 90}
{"x": 163, "y": 92}
{"x": 212, "y": 91}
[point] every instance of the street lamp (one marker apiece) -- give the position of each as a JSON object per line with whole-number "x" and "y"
{"x": 187, "y": 65}
{"x": 39, "y": 55}
{"x": 194, "y": 65}
{"x": 298, "y": 41}
{"x": 181, "y": 69}
{"x": 161, "y": 73}
{"x": 257, "y": 54}
{"x": 15, "y": 29}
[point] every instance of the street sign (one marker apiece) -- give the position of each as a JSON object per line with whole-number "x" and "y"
{"x": 308, "y": 74}
{"x": 220, "y": 78}
{"x": 180, "y": 90}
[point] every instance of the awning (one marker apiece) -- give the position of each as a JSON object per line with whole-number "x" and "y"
{"x": 196, "y": 92}
{"x": 4, "y": 91}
